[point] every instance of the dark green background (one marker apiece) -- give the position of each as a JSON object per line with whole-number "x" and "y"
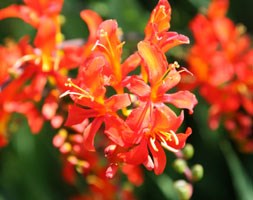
{"x": 30, "y": 168}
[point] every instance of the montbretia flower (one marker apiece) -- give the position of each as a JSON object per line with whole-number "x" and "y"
{"x": 90, "y": 100}
{"x": 131, "y": 109}
{"x": 162, "y": 77}
{"x": 144, "y": 135}
{"x": 45, "y": 62}
{"x": 152, "y": 124}
{"x": 221, "y": 62}
{"x": 156, "y": 30}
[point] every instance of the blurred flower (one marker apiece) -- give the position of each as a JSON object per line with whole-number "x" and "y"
{"x": 221, "y": 59}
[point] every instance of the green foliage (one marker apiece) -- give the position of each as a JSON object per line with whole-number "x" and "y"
{"x": 30, "y": 167}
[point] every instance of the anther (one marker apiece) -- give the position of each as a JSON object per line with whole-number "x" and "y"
{"x": 152, "y": 141}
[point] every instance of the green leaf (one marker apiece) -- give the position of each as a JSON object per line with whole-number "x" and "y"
{"x": 242, "y": 184}
{"x": 165, "y": 184}
{"x": 200, "y": 3}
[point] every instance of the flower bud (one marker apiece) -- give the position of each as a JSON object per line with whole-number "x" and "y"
{"x": 188, "y": 151}
{"x": 111, "y": 170}
{"x": 180, "y": 165}
{"x": 184, "y": 189}
{"x": 197, "y": 172}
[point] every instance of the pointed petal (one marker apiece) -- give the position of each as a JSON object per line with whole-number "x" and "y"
{"x": 182, "y": 137}
{"x": 77, "y": 115}
{"x": 159, "y": 157}
{"x": 90, "y": 75}
{"x": 92, "y": 19}
{"x": 25, "y": 13}
{"x": 137, "y": 86}
{"x": 117, "y": 102}
{"x": 46, "y": 7}
{"x": 218, "y": 8}
{"x": 149, "y": 164}
{"x": 154, "y": 60}
{"x": 170, "y": 81}
{"x": 165, "y": 119}
{"x": 90, "y": 132}
{"x": 172, "y": 39}
{"x": 46, "y": 36}
{"x": 118, "y": 131}
{"x": 139, "y": 118}
{"x": 181, "y": 99}
{"x": 137, "y": 155}
{"x": 159, "y": 20}
{"x": 131, "y": 63}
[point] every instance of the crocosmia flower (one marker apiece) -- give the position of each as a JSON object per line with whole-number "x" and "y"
{"x": 221, "y": 59}
{"x": 132, "y": 108}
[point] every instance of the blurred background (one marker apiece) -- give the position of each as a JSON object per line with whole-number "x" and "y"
{"x": 30, "y": 168}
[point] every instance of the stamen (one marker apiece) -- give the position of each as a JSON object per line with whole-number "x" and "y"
{"x": 152, "y": 141}
{"x": 176, "y": 65}
{"x": 104, "y": 34}
{"x": 174, "y": 136}
{"x": 25, "y": 59}
{"x": 164, "y": 134}
{"x": 82, "y": 94}
{"x": 166, "y": 146}
{"x": 95, "y": 45}
{"x": 104, "y": 47}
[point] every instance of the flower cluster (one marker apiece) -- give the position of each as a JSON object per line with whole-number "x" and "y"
{"x": 125, "y": 107}
{"x": 36, "y": 72}
{"x": 132, "y": 108}
{"x": 221, "y": 60}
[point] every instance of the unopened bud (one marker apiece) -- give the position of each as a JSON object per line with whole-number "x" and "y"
{"x": 184, "y": 189}
{"x": 111, "y": 170}
{"x": 197, "y": 172}
{"x": 180, "y": 165}
{"x": 188, "y": 151}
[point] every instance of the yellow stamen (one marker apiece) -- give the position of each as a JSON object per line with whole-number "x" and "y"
{"x": 82, "y": 94}
{"x": 152, "y": 141}
{"x": 26, "y": 58}
{"x": 167, "y": 136}
{"x": 166, "y": 146}
{"x": 174, "y": 136}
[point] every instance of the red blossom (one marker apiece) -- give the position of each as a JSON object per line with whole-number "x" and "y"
{"x": 221, "y": 60}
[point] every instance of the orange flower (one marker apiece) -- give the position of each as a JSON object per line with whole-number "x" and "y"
{"x": 222, "y": 64}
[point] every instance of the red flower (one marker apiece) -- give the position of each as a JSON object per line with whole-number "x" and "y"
{"x": 89, "y": 96}
{"x": 162, "y": 77}
{"x": 143, "y": 133}
{"x": 142, "y": 103}
{"x": 222, "y": 64}
{"x": 156, "y": 30}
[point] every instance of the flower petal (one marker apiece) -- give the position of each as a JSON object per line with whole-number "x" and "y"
{"x": 166, "y": 120}
{"x": 182, "y": 137}
{"x": 172, "y": 39}
{"x": 159, "y": 20}
{"x": 118, "y": 131}
{"x": 90, "y": 132}
{"x": 137, "y": 86}
{"x": 117, "y": 102}
{"x": 92, "y": 19}
{"x": 77, "y": 115}
{"x": 154, "y": 61}
{"x": 25, "y": 13}
{"x": 137, "y": 155}
{"x": 158, "y": 156}
{"x": 181, "y": 99}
